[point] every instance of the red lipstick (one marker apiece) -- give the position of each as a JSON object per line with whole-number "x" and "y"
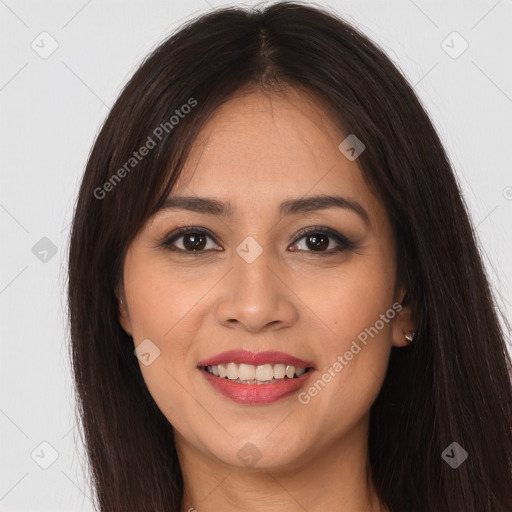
{"x": 255, "y": 358}
{"x": 254, "y": 394}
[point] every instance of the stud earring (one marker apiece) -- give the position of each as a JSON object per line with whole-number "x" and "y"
{"x": 410, "y": 336}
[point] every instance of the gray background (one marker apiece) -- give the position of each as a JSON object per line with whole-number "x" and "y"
{"x": 51, "y": 109}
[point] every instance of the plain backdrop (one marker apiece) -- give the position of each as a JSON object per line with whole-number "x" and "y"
{"x": 51, "y": 108}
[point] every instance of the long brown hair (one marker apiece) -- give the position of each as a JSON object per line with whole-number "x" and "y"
{"x": 451, "y": 385}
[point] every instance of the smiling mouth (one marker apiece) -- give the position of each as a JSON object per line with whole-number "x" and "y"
{"x": 250, "y": 374}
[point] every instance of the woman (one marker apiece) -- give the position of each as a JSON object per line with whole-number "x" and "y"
{"x": 276, "y": 299}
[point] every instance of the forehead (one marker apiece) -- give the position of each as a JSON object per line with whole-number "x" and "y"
{"x": 262, "y": 147}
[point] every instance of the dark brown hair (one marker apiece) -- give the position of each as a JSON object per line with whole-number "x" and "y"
{"x": 452, "y": 384}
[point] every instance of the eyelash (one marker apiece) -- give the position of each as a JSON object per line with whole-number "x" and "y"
{"x": 344, "y": 242}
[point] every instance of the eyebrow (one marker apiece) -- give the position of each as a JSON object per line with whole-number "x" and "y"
{"x": 210, "y": 206}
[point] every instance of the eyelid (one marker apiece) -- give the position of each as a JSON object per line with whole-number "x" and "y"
{"x": 320, "y": 229}
{"x": 167, "y": 239}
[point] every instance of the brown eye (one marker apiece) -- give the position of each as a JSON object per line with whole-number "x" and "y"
{"x": 323, "y": 241}
{"x": 190, "y": 240}
{"x": 194, "y": 241}
{"x": 319, "y": 243}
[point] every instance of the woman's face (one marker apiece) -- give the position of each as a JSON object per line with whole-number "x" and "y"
{"x": 248, "y": 279}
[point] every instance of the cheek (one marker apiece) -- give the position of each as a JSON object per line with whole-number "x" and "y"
{"x": 162, "y": 309}
{"x": 355, "y": 308}
{"x": 353, "y": 298}
{"x": 159, "y": 300}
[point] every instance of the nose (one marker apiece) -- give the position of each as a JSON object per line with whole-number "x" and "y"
{"x": 256, "y": 296}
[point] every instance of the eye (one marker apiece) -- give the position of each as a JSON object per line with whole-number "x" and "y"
{"x": 190, "y": 240}
{"x": 320, "y": 239}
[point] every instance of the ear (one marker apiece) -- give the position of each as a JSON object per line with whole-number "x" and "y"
{"x": 124, "y": 314}
{"x": 404, "y": 321}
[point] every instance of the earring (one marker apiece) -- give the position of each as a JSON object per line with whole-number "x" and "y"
{"x": 410, "y": 336}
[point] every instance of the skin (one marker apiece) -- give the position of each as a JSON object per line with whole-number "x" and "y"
{"x": 258, "y": 150}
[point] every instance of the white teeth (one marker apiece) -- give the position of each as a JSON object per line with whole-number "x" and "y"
{"x": 246, "y": 372}
{"x": 232, "y": 371}
{"x": 249, "y": 373}
{"x": 279, "y": 371}
{"x": 222, "y": 370}
{"x": 300, "y": 371}
{"x": 264, "y": 372}
{"x": 290, "y": 371}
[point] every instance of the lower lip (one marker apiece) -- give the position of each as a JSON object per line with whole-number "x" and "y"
{"x": 256, "y": 393}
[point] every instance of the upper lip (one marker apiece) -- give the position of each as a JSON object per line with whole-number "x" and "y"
{"x": 255, "y": 358}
